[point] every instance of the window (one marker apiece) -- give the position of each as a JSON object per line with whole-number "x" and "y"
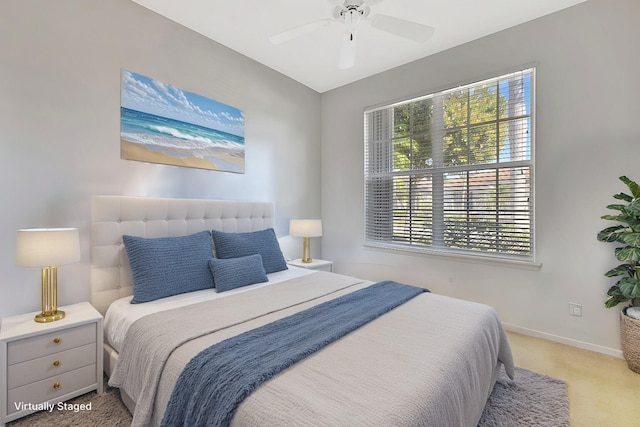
{"x": 453, "y": 171}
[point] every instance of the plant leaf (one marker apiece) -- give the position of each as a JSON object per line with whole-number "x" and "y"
{"x": 617, "y": 207}
{"x": 628, "y": 253}
{"x": 613, "y": 291}
{"x": 631, "y": 239}
{"x": 610, "y": 234}
{"x": 616, "y": 297}
{"x": 635, "y": 226}
{"x": 615, "y": 300}
{"x": 620, "y": 270}
{"x": 633, "y": 208}
{"x": 623, "y": 196}
{"x": 629, "y": 287}
{"x": 633, "y": 186}
{"x": 623, "y": 216}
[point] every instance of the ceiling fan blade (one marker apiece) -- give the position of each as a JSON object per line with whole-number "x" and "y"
{"x": 296, "y": 32}
{"x": 362, "y": 4}
{"x": 366, "y": 3}
{"x": 403, "y": 28}
{"x": 347, "y": 51}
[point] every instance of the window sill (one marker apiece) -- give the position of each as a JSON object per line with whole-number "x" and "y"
{"x": 478, "y": 259}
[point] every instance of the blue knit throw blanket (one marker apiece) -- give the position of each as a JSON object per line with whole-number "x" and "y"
{"x": 219, "y": 378}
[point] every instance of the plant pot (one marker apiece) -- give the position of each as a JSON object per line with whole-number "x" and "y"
{"x": 630, "y": 339}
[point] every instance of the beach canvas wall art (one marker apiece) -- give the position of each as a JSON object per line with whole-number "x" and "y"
{"x": 160, "y": 123}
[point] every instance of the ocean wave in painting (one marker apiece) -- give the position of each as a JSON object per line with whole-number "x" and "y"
{"x": 174, "y": 137}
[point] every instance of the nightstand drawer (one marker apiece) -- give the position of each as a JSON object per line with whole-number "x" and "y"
{"x": 54, "y": 342}
{"x": 34, "y": 370}
{"x": 51, "y": 388}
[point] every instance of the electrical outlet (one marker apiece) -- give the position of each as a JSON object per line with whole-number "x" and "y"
{"x": 575, "y": 309}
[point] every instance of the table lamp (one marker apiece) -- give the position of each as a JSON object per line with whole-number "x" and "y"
{"x": 305, "y": 228}
{"x": 47, "y": 248}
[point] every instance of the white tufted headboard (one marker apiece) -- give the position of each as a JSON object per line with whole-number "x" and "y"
{"x": 113, "y": 216}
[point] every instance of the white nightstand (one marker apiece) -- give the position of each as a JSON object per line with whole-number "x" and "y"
{"x": 46, "y": 363}
{"x": 315, "y": 264}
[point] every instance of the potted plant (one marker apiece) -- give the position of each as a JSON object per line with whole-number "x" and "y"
{"x": 627, "y": 288}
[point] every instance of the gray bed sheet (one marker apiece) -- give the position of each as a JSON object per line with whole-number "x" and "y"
{"x": 432, "y": 361}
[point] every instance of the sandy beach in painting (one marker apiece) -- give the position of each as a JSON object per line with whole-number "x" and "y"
{"x": 133, "y": 151}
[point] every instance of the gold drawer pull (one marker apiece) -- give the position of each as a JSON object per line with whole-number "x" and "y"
{"x": 56, "y": 386}
{"x": 56, "y": 363}
{"x": 56, "y": 340}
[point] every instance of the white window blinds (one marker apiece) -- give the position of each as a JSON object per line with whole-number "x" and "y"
{"x": 453, "y": 171}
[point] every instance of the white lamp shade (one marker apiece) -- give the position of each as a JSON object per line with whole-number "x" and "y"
{"x": 40, "y": 247}
{"x": 305, "y": 227}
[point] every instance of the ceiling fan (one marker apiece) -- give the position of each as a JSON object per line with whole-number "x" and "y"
{"x": 350, "y": 13}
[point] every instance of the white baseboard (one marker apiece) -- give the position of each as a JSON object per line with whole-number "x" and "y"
{"x": 562, "y": 340}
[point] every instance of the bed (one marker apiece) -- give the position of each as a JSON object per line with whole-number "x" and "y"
{"x": 428, "y": 360}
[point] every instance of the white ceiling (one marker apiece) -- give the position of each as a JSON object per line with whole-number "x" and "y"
{"x": 311, "y": 59}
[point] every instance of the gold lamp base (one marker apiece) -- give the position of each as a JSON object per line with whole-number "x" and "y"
{"x": 306, "y": 250}
{"x": 49, "y": 317}
{"x": 50, "y": 312}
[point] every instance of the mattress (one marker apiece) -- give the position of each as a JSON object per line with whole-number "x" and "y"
{"x": 432, "y": 361}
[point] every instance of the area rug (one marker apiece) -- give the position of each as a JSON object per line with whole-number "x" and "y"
{"x": 531, "y": 399}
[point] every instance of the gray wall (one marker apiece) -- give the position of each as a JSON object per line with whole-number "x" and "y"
{"x": 59, "y": 145}
{"x": 60, "y": 67}
{"x": 586, "y": 136}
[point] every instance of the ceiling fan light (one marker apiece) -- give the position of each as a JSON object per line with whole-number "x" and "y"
{"x": 348, "y": 51}
{"x": 353, "y": 18}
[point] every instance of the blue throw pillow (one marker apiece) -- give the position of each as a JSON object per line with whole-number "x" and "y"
{"x": 234, "y": 273}
{"x": 264, "y": 242}
{"x": 165, "y": 266}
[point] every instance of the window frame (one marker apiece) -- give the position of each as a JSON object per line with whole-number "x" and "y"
{"x": 438, "y": 169}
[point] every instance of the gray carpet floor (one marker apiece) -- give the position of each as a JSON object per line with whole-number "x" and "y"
{"x": 531, "y": 399}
